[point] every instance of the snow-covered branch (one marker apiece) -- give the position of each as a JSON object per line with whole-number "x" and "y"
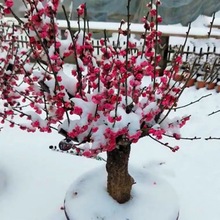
{"x": 99, "y": 102}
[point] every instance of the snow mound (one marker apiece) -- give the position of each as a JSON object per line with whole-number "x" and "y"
{"x": 152, "y": 198}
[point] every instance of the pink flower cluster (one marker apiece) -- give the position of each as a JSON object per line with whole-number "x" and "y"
{"x": 8, "y": 5}
{"x": 99, "y": 101}
{"x": 81, "y": 9}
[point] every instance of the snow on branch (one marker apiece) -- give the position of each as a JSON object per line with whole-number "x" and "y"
{"x": 98, "y": 101}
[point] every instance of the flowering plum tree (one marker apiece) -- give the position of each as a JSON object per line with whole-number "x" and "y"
{"x": 100, "y": 103}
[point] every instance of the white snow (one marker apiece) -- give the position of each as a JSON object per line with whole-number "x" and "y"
{"x": 138, "y": 28}
{"x": 147, "y": 188}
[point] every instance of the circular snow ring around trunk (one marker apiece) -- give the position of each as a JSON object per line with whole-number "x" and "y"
{"x": 152, "y": 198}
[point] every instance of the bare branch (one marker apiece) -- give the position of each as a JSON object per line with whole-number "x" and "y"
{"x": 184, "y": 138}
{"x": 79, "y": 88}
{"x": 127, "y": 43}
{"x": 191, "y": 103}
{"x": 75, "y": 151}
{"x": 211, "y": 25}
{"x": 164, "y": 144}
{"x": 212, "y": 138}
{"x": 187, "y": 36}
{"x": 214, "y": 112}
{"x": 16, "y": 17}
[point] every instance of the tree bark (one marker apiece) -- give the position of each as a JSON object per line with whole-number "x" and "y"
{"x": 119, "y": 181}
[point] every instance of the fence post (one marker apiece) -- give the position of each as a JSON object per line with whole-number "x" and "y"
{"x": 163, "y": 51}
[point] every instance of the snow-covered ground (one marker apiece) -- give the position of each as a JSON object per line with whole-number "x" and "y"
{"x": 36, "y": 179}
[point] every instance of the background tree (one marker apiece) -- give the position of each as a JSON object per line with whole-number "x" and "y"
{"x": 101, "y": 103}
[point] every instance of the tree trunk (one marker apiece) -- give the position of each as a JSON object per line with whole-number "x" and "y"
{"x": 119, "y": 181}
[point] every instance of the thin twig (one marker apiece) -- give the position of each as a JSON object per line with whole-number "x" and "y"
{"x": 184, "y": 138}
{"x": 214, "y": 112}
{"x": 155, "y": 47}
{"x": 16, "y": 17}
{"x": 191, "y": 103}
{"x": 162, "y": 143}
{"x": 84, "y": 26}
{"x": 126, "y": 59}
{"x": 212, "y": 138}
{"x": 211, "y": 25}
{"x": 79, "y": 76}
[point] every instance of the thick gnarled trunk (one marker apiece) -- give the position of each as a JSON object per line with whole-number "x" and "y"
{"x": 119, "y": 181}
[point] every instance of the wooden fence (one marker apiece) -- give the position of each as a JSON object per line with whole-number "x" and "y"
{"x": 202, "y": 61}
{"x": 167, "y": 50}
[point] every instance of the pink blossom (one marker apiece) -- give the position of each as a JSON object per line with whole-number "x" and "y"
{"x": 22, "y": 127}
{"x": 183, "y": 121}
{"x": 176, "y": 136}
{"x": 149, "y": 116}
{"x": 60, "y": 112}
{"x": 135, "y": 137}
{"x": 158, "y": 133}
{"x": 77, "y": 110}
{"x": 59, "y": 79}
{"x": 147, "y": 26}
{"x": 159, "y": 19}
{"x": 153, "y": 12}
{"x": 97, "y": 98}
{"x": 55, "y": 4}
{"x": 81, "y": 9}
{"x": 95, "y": 129}
{"x": 54, "y": 57}
{"x": 35, "y": 124}
{"x": 111, "y": 119}
{"x": 176, "y": 148}
{"x": 158, "y": 2}
{"x": 57, "y": 44}
{"x": 7, "y": 10}
{"x": 152, "y": 24}
{"x": 149, "y": 5}
{"x": 88, "y": 153}
{"x": 139, "y": 76}
{"x": 178, "y": 59}
{"x": 9, "y": 3}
